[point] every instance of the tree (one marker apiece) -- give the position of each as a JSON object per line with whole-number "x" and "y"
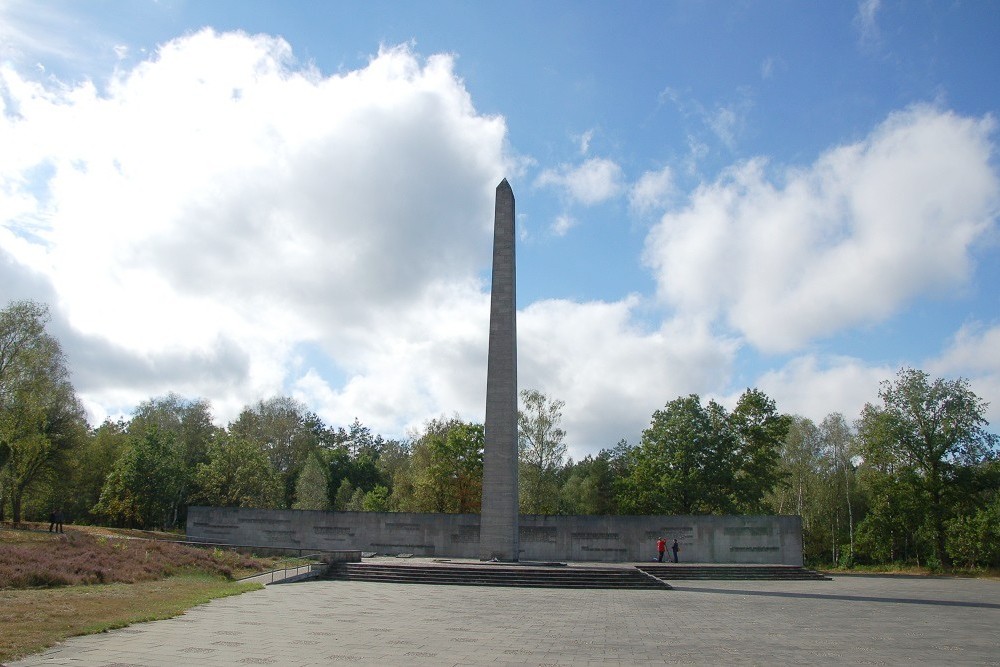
{"x": 286, "y": 431}
{"x": 540, "y": 443}
{"x": 801, "y": 490}
{"x": 684, "y": 462}
{"x": 838, "y": 445}
{"x": 760, "y": 431}
{"x": 140, "y": 491}
{"x": 936, "y": 427}
{"x": 800, "y": 465}
{"x": 345, "y": 494}
{"x": 41, "y": 419}
{"x": 974, "y": 539}
{"x": 447, "y": 467}
{"x": 311, "y": 489}
{"x": 189, "y": 423}
{"x": 376, "y": 500}
{"x": 589, "y": 486}
{"x": 238, "y": 473}
{"x": 93, "y": 463}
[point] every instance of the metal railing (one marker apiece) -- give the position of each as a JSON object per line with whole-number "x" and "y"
{"x": 282, "y": 573}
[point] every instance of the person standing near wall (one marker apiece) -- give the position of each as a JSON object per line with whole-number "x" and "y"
{"x": 675, "y": 548}
{"x": 661, "y": 547}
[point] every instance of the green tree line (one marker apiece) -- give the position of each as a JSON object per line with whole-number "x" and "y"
{"x": 915, "y": 478}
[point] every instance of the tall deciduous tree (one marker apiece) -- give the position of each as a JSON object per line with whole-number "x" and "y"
{"x": 238, "y": 473}
{"x": 838, "y": 443}
{"x": 189, "y": 424}
{"x": 447, "y": 467}
{"x": 760, "y": 431}
{"x": 542, "y": 452}
{"x": 935, "y": 427}
{"x": 93, "y": 463}
{"x": 41, "y": 419}
{"x": 589, "y": 486}
{"x": 140, "y": 491}
{"x": 683, "y": 464}
{"x": 286, "y": 431}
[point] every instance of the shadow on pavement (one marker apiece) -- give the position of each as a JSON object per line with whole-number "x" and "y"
{"x": 846, "y": 598}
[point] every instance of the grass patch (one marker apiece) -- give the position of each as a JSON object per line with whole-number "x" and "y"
{"x": 34, "y": 619}
{"x": 54, "y": 586}
{"x": 912, "y": 570}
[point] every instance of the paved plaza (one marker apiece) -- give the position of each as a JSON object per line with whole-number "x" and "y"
{"x": 850, "y": 620}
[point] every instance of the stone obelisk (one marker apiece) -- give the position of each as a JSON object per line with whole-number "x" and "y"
{"x": 498, "y": 537}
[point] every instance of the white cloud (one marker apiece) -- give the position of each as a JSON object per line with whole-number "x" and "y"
{"x": 850, "y": 239}
{"x": 585, "y": 140}
{"x": 725, "y": 121}
{"x": 652, "y": 191}
{"x": 767, "y": 67}
{"x": 814, "y": 386}
{"x": 973, "y": 353}
{"x": 866, "y": 21}
{"x": 611, "y": 373}
{"x": 974, "y": 348}
{"x": 219, "y": 206}
{"x": 562, "y": 224}
{"x": 33, "y": 34}
{"x": 594, "y": 181}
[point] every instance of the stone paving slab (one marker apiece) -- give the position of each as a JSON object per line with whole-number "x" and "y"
{"x": 850, "y": 620}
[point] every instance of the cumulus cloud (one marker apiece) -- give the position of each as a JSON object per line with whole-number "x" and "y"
{"x": 973, "y": 353}
{"x": 850, "y": 239}
{"x": 594, "y": 181}
{"x": 815, "y": 386}
{"x": 220, "y": 205}
{"x": 611, "y": 372}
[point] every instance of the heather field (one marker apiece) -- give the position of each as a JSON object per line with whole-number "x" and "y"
{"x": 86, "y": 580}
{"x": 30, "y": 559}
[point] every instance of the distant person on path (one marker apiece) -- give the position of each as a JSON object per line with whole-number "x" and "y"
{"x": 57, "y": 520}
{"x": 675, "y": 548}
{"x": 661, "y": 547}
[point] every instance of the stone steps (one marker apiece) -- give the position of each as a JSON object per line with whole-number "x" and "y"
{"x": 732, "y": 572}
{"x": 497, "y": 575}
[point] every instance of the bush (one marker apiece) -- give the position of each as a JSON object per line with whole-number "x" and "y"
{"x": 974, "y": 540}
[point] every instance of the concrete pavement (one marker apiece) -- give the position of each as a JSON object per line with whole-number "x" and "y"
{"x": 850, "y": 620}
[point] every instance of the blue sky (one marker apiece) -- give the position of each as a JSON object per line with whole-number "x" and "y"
{"x": 233, "y": 200}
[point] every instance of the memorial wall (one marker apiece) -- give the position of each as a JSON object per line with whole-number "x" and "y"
{"x": 702, "y": 539}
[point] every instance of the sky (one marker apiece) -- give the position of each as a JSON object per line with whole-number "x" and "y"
{"x": 234, "y": 200}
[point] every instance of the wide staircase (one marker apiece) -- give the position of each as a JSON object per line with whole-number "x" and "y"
{"x": 490, "y": 574}
{"x": 732, "y": 572}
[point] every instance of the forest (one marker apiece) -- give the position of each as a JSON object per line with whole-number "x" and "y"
{"x": 914, "y": 479}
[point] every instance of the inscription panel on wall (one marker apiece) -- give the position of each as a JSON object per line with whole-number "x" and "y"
{"x": 671, "y": 531}
{"x": 545, "y": 534}
{"x": 333, "y": 533}
{"x": 750, "y": 531}
{"x": 466, "y": 535}
{"x": 215, "y": 529}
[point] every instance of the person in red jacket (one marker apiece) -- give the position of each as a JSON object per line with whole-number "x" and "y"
{"x": 661, "y": 547}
